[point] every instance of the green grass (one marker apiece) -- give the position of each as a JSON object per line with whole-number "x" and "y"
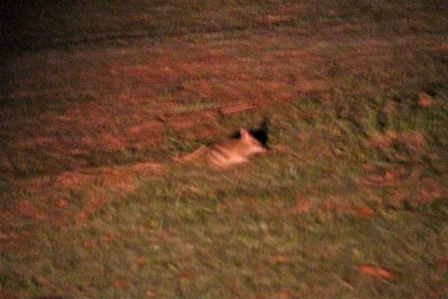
{"x": 98, "y": 99}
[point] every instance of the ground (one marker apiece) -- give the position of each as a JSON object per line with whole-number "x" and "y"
{"x": 98, "y": 100}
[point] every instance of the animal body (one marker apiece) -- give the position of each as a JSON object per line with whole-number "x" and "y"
{"x": 234, "y": 151}
{"x": 229, "y": 152}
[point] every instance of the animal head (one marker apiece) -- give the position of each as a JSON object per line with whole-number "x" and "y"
{"x": 253, "y": 145}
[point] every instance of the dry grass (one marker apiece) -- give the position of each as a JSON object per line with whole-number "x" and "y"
{"x": 351, "y": 198}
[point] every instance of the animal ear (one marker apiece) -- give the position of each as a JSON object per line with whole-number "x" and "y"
{"x": 244, "y": 133}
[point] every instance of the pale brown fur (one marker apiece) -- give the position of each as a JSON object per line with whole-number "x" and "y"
{"x": 228, "y": 152}
{"x": 234, "y": 151}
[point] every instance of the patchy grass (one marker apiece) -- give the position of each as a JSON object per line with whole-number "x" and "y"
{"x": 97, "y": 101}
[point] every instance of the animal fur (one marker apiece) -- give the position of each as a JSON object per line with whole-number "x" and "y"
{"x": 229, "y": 152}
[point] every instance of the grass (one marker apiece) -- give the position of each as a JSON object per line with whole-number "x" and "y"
{"x": 97, "y": 101}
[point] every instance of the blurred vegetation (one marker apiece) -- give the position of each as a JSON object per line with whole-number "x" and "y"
{"x": 99, "y": 97}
